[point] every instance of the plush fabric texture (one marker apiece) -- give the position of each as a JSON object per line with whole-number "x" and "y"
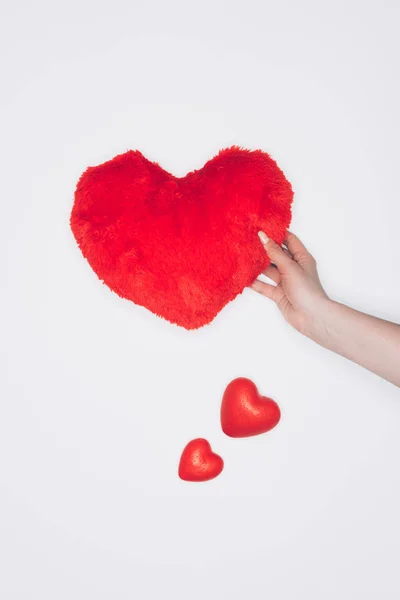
{"x": 183, "y": 247}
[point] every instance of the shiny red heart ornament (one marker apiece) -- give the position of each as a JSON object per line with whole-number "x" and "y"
{"x": 198, "y": 462}
{"x": 244, "y": 412}
{"x": 183, "y": 247}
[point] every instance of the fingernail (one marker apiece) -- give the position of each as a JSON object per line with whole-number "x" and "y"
{"x": 263, "y": 237}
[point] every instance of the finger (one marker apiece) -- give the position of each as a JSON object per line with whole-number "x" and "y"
{"x": 272, "y": 273}
{"x": 276, "y": 253}
{"x": 294, "y": 244}
{"x": 298, "y": 250}
{"x": 265, "y": 289}
{"x": 286, "y": 249}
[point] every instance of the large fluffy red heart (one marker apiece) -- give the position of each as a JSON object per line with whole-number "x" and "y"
{"x": 183, "y": 247}
{"x": 244, "y": 412}
{"x": 198, "y": 462}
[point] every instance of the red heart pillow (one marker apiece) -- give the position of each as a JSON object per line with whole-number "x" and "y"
{"x": 183, "y": 247}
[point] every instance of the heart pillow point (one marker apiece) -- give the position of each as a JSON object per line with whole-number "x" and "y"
{"x": 244, "y": 412}
{"x": 198, "y": 462}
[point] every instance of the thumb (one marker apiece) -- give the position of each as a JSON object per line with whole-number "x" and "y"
{"x": 276, "y": 253}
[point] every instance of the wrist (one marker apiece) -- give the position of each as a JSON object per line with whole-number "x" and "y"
{"x": 317, "y": 324}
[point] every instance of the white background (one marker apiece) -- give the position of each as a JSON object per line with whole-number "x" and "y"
{"x": 98, "y": 396}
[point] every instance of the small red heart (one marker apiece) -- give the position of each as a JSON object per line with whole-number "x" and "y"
{"x": 198, "y": 462}
{"x": 244, "y": 412}
{"x": 183, "y": 247}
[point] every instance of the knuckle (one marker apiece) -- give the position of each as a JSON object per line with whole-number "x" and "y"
{"x": 272, "y": 247}
{"x": 304, "y": 258}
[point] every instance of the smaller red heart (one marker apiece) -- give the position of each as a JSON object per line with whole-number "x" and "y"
{"x": 244, "y": 412}
{"x": 198, "y": 462}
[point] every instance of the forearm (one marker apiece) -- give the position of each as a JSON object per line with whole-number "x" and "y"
{"x": 371, "y": 342}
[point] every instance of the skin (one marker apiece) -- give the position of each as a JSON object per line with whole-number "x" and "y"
{"x": 366, "y": 340}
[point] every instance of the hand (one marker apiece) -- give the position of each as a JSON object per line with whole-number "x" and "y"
{"x": 298, "y": 292}
{"x": 372, "y": 343}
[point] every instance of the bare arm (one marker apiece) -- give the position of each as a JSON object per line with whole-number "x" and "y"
{"x": 371, "y": 342}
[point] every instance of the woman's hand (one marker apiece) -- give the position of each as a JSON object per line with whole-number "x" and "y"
{"x": 298, "y": 292}
{"x": 372, "y": 343}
